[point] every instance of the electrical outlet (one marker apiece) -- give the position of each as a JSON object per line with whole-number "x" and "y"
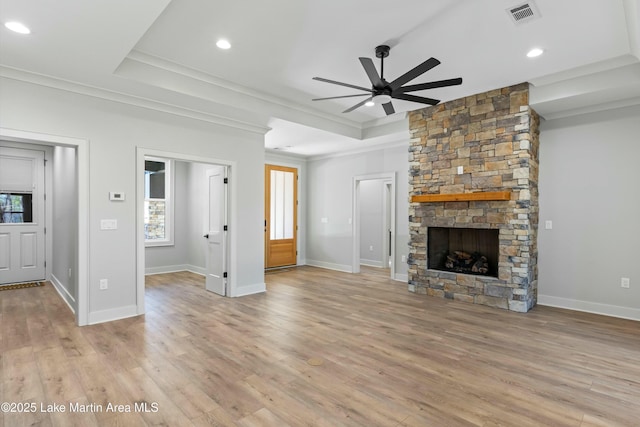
{"x": 625, "y": 282}
{"x": 404, "y": 258}
{"x": 371, "y": 248}
{"x": 69, "y": 273}
{"x": 104, "y": 284}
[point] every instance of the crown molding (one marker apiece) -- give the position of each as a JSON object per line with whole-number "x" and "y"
{"x": 376, "y": 147}
{"x": 122, "y": 98}
{"x": 594, "y": 113}
{"x": 272, "y": 154}
{"x": 201, "y": 76}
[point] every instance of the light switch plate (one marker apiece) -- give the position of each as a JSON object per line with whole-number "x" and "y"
{"x": 108, "y": 224}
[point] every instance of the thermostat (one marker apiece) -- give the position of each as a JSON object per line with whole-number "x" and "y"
{"x": 116, "y": 196}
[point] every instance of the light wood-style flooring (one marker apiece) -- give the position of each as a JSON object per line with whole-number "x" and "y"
{"x": 320, "y": 348}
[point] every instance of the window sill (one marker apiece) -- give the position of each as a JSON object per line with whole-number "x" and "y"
{"x": 153, "y": 244}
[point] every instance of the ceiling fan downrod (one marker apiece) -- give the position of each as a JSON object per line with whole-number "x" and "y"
{"x": 382, "y": 52}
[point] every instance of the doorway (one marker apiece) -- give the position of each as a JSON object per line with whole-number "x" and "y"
{"x": 207, "y": 223}
{"x": 382, "y": 234}
{"x": 281, "y": 216}
{"x": 72, "y": 266}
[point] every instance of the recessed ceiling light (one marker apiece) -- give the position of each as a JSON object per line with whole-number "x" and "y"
{"x": 536, "y": 51}
{"x": 17, "y": 27}
{"x": 223, "y": 44}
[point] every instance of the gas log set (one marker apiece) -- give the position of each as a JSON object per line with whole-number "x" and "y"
{"x": 463, "y": 262}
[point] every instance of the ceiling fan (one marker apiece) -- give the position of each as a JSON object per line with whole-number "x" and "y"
{"x": 382, "y": 91}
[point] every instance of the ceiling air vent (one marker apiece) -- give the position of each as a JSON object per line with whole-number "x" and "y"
{"x": 523, "y": 13}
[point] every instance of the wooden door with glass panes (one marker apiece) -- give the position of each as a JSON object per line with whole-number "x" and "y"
{"x": 281, "y": 216}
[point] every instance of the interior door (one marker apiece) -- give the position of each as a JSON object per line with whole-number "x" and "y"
{"x": 22, "y": 210}
{"x": 216, "y": 280}
{"x": 281, "y": 216}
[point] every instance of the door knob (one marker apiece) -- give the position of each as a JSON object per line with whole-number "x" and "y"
{"x": 206, "y": 236}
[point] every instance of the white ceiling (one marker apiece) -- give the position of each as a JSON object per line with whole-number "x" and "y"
{"x": 163, "y": 51}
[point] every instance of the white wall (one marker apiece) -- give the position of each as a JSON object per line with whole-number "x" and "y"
{"x": 590, "y": 189}
{"x": 114, "y": 130}
{"x": 64, "y": 231}
{"x": 329, "y": 190}
{"x": 372, "y": 222}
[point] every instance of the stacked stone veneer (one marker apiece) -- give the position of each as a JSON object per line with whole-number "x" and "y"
{"x": 494, "y": 136}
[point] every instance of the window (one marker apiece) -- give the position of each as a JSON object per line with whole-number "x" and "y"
{"x": 282, "y": 204}
{"x": 158, "y": 202}
{"x": 16, "y": 208}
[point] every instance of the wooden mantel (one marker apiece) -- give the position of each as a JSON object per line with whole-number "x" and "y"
{"x": 462, "y": 197}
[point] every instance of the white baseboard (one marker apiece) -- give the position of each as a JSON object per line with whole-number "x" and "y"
{"x": 590, "y": 307}
{"x": 250, "y": 290}
{"x": 197, "y": 270}
{"x": 401, "y": 277}
{"x": 64, "y": 293}
{"x": 371, "y": 263}
{"x": 149, "y": 271}
{"x": 330, "y": 266}
{"x": 112, "y": 314}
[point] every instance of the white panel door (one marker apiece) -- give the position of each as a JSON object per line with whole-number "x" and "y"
{"x": 216, "y": 234}
{"x": 22, "y": 216}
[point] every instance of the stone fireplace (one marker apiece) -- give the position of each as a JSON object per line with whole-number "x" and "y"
{"x": 474, "y": 173}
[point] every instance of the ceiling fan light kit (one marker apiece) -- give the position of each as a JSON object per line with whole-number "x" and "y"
{"x": 382, "y": 91}
{"x": 381, "y": 99}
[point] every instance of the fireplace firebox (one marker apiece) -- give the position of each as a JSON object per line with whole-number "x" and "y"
{"x": 463, "y": 250}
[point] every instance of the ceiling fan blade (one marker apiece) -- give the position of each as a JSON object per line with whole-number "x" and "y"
{"x": 358, "y": 105}
{"x": 371, "y": 71}
{"x": 414, "y": 98}
{"x": 343, "y": 96}
{"x": 388, "y": 108}
{"x": 430, "y": 85}
{"x": 320, "y": 79}
{"x": 414, "y": 72}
